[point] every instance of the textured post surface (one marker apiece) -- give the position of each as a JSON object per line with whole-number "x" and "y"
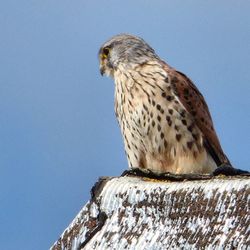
{"x": 138, "y": 213}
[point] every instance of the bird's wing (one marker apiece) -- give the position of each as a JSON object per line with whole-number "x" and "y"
{"x": 194, "y": 103}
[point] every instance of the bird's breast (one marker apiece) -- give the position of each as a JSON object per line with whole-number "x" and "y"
{"x": 157, "y": 129}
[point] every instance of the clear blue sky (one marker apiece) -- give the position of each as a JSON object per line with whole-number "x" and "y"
{"x": 58, "y": 132}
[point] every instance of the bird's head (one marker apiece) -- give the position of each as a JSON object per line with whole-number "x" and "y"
{"x": 124, "y": 50}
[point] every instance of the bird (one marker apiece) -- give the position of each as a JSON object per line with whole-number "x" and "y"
{"x": 165, "y": 122}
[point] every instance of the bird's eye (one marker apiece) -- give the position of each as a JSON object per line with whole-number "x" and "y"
{"x": 105, "y": 52}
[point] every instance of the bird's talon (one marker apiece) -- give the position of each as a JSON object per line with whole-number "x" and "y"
{"x": 228, "y": 170}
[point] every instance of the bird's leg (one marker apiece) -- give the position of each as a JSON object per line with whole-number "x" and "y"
{"x": 136, "y": 172}
{"x": 224, "y": 169}
{"x": 228, "y": 170}
{"x": 146, "y": 173}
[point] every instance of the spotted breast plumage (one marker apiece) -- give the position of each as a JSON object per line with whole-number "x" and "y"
{"x": 164, "y": 119}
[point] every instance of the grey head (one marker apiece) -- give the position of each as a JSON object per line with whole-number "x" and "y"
{"x": 124, "y": 49}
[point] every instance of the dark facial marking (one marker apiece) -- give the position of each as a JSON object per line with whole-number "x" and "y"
{"x": 105, "y": 51}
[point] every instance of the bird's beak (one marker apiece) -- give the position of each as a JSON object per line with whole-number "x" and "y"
{"x": 102, "y": 65}
{"x": 102, "y": 69}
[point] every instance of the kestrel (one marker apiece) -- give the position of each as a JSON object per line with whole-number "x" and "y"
{"x": 164, "y": 119}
